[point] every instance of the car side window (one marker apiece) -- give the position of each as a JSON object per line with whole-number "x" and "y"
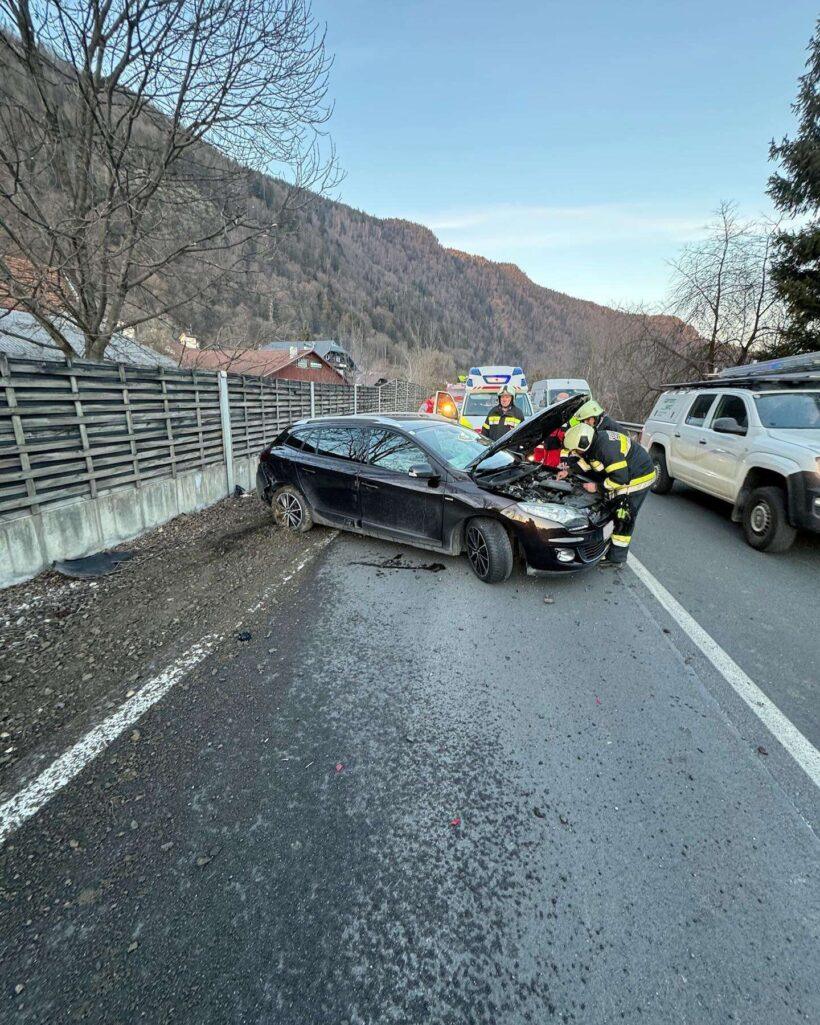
{"x": 733, "y": 406}
{"x": 342, "y": 442}
{"x": 303, "y": 439}
{"x": 699, "y": 410}
{"x": 394, "y": 452}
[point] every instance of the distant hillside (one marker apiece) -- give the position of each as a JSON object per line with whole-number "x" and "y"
{"x": 387, "y": 286}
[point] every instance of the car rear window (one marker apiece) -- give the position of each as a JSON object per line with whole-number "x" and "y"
{"x": 342, "y": 442}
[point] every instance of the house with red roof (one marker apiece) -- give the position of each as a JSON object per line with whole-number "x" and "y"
{"x": 293, "y": 364}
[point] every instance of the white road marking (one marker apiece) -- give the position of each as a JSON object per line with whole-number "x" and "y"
{"x": 28, "y": 801}
{"x": 15, "y": 811}
{"x": 799, "y": 747}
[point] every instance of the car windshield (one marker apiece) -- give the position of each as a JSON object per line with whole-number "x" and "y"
{"x": 559, "y": 394}
{"x": 480, "y": 403}
{"x": 459, "y": 446}
{"x": 790, "y": 410}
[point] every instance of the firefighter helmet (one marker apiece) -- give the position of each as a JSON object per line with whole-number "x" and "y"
{"x": 589, "y": 409}
{"x": 578, "y": 438}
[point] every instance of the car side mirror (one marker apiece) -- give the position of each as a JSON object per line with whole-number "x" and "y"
{"x": 424, "y": 471}
{"x": 727, "y": 425}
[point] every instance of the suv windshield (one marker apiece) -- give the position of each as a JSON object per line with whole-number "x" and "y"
{"x": 790, "y": 410}
{"x": 480, "y": 403}
{"x": 458, "y": 446}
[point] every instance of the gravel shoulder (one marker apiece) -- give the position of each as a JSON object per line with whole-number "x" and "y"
{"x": 72, "y": 649}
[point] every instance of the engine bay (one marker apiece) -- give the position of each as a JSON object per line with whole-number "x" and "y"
{"x": 536, "y": 483}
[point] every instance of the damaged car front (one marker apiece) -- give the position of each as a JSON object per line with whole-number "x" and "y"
{"x": 557, "y": 523}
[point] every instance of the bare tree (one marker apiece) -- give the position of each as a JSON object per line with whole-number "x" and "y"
{"x": 722, "y": 287}
{"x": 133, "y": 134}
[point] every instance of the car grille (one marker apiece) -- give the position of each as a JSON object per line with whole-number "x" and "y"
{"x": 592, "y": 550}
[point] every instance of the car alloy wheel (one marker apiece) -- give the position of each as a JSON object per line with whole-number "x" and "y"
{"x": 289, "y": 510}
{"x": 760, "y": 518}
{"x": 477, "y": 552}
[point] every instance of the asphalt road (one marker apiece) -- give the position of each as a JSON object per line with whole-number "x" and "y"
{"x": 411, "y": 798}
{"x": 764, "y": 610}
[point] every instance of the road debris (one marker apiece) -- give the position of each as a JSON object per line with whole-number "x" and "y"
{"x": 456, "y": 821}
{"x": 761, "y": 750}
{"x": 397, "y": 562}
{"x": 548, "y": 599}
{"x": 538, "y": 813}
{"x": 91, "y": 566}
{"x": 339, "y": 767}
{"x": 244, "y": 635}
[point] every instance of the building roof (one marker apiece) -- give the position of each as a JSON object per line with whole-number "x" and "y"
{"x": 322, "y": 347}
{"x": 21, "y": 337}
{"x": 254, "y": 362}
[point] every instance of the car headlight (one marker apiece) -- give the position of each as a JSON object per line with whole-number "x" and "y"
{"x": 523, "y": 512}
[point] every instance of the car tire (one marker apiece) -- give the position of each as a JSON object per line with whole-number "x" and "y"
{"x": 662, "y": 484}
{"x": 290, "y": 509}
{"x": 489, "y": 550}
{"x": 765, "y": 522}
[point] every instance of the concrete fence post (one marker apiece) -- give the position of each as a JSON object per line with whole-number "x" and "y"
{"x": 379, "y": 398}
{"x": 313, "y": 398}
{"x": 225, "y": 418}
{"x": 355, "y": 398}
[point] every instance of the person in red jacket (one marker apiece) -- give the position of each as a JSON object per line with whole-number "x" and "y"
{"x": 550, "y": 453}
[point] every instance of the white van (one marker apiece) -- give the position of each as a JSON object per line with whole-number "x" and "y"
{"x": 752, "y": 441}
{"x": 550, "y": 390}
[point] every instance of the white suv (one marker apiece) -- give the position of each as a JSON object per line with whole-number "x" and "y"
{"x": 756, "y": 447}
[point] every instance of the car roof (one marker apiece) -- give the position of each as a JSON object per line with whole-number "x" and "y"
{"x": 370, "y": 419}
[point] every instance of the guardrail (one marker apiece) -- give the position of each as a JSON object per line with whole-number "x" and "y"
{"x": 631, "y": 428}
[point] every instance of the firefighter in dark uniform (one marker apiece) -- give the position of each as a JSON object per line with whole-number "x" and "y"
{"x": 625, "y": 472}
{"x": 503, "y": 417}
{"x": 592, "y": 413}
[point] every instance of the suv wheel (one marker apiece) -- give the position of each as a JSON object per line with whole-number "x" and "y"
{"x": 489, "y": 550}
{"x": 290, "y": 510}
{"x": 662, "y": 484}
{"x": 765, "y": 523}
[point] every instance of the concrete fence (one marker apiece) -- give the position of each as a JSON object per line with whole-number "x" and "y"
{"x": 92, "y": 454}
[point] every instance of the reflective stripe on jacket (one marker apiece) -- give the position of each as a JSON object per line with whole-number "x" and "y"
{"x": 500, "y": 421}
{"x": 624, "y": 465}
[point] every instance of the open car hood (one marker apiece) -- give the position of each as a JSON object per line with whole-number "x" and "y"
{"x": 534, "y": 431}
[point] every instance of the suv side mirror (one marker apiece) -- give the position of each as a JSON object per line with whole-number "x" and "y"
{"x": 727, "y": 425}
{"x": 424, "y": 471}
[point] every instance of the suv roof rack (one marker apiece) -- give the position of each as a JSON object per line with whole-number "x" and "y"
{"x": 807, "y": 362}
{"x": 758, "y": 382}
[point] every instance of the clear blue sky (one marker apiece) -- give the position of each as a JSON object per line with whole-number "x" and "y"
{"x": 584, "y": 141}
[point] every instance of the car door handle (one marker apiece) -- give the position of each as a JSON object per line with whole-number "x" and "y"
{"x": 677, "y": 435}
{"x": 368, "y": 485}
{"x": 306, "y": 469}
{"x": 702, "y": 442}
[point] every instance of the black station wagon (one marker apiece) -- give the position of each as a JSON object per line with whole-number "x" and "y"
{"x": 426, "y": 481}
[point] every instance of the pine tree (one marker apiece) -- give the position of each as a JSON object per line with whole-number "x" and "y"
{"x": 796, "y": 192}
